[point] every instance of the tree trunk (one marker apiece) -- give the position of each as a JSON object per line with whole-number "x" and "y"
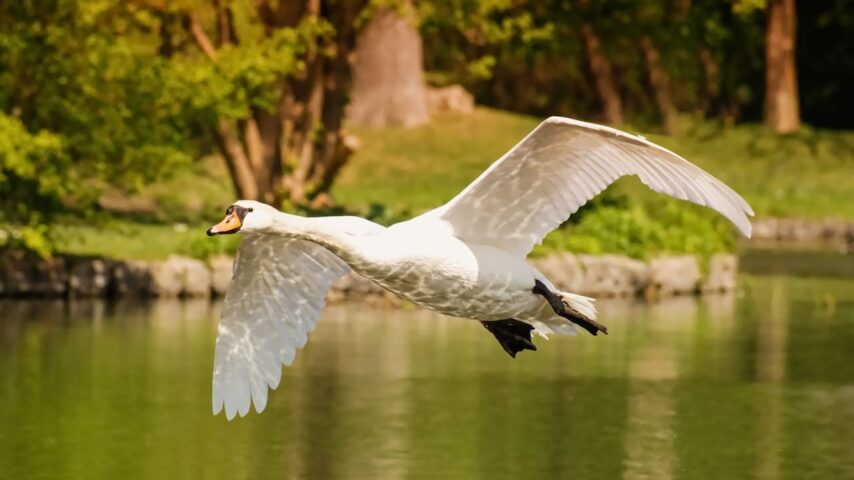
{"x": 711, "y": 81}
{"x": 659, "y": 79}
{"x": 388, "y": 75}
{"x": 781, "y": 110}
{"x": 603, "y": 77}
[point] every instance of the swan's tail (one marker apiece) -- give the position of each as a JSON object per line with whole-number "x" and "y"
{"x": 580, "y": 305}
{"x": 582, "y": 310}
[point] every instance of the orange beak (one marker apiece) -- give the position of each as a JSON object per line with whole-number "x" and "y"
{"x": 230, "y": 224}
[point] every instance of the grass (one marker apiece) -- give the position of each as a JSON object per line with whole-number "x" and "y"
{"x": 810, "y": 174}
{"x": 126, "y": 239}
{"x": 401, "y": 172}
{"x": 412, "y": 170}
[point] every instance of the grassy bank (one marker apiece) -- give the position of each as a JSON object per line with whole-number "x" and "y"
{"x": 401, "y": 172}
{"x": 808, "y": 174}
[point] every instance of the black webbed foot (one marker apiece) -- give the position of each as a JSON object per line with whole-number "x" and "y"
{"x": 513, "y": 335}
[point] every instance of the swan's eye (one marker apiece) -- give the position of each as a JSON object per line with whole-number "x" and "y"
{"x": 251, "y": 209}
{"x": 230, "y": 210}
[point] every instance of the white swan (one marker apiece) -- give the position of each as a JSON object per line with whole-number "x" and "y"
{"x": 465, "y": 258}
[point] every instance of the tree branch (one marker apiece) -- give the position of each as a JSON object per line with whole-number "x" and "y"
{"x": 265, "y": 12}
{"x": 199, "y": 35}
{"x": 235, "y": 158}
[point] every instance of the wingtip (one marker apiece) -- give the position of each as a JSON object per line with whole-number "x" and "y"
{"x": 260, "y": 403}
{"x": 217, "y": 405}
{"x": 746, "y": 228}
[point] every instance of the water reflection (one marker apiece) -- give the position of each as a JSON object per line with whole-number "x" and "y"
{"x": 755, "y": 385}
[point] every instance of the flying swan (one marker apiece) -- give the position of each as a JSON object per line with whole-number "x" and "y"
{"x": 465, "y": 258}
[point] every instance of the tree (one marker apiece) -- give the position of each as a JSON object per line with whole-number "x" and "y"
{"x": 388, "y": 71}
{"x": 285, "y": 142}
{"x": 136, "y": 87}
{"x": 106, "y": 92}
{"x": 781, "y": 110}
{"x": 80, "y": 107}
{"x": 659, "y": 80}
{"x": 600, "y": 66}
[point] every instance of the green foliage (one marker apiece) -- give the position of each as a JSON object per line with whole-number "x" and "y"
{"x": 243, "y": 77}
{"x": 99, "y": 93}
{"x": 86, "y": 108}
{"x": 641, "y": 231}
{"x": 83, "y": 71}
{"x": 529, "y": 56}
{"x": 32, "y": 179}
{"x": 206, "y": 247}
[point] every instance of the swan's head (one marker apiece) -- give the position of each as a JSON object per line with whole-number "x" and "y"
{"x": 245, "y": 216}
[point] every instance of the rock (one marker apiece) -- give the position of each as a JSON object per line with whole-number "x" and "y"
{"x": 167, "y": 278}
{"x": 802, "y": 229}
{"x": 563, "y": 269}
{"x": 453, "y": 98}
{"x": 799, "y": 229}
{"x": 88, "y": 277}
{"x": 11, "y": 276}
{"x": 721, "y": 274}
{"x": 221, "y": 268}
{"x": 196, "y": 277}
{"x": 765, "y": 228}
{"x": 49, "y": 278}
{"x": 611, "y": 275}
{"x": 672, "y": 275}
{"x": 180, "y": 276}
{"x": 602, "y": 276}
{"x": 130, "y": 278}
{"x": 25, "y": 275}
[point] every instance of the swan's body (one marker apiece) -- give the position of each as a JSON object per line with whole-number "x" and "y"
{"x": 465, "y": 259}
{"x": 445, "y": 274}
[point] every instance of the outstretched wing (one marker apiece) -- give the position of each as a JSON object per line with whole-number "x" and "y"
{"x": 559, "y": 167}
{"x": 277, "y": 291}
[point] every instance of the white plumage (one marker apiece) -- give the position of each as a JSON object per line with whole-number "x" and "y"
{"x": 465, "y": 258}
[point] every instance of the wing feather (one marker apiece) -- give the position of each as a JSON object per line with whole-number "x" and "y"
{"x": 278, "y": 289}
{"x": 560, "y": 166}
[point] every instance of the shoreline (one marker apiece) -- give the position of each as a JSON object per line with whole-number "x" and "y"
{"x": 603, "y": 276}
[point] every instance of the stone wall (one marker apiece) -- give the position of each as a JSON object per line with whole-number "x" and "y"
{"x": 617, "y": 276}
{"x": 600, "y": 276}
{"x": 803, "y": 229}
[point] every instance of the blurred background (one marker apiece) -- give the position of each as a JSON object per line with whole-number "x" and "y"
{"x": 127, "y": 128}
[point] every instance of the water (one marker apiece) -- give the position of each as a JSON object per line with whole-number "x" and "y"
{"x": 759, "y": 384}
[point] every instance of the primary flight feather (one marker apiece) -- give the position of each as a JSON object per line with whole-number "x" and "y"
{"x": 465, "y": 258}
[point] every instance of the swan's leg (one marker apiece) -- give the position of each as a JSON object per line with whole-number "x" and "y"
{"x": 513, "y": 335}
{"x": 561, "y": 309}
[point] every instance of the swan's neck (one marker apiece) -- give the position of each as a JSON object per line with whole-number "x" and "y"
{"x": 321, "y": 230}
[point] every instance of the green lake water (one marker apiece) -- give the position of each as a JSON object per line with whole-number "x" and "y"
{"x": 757, "y": 384}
